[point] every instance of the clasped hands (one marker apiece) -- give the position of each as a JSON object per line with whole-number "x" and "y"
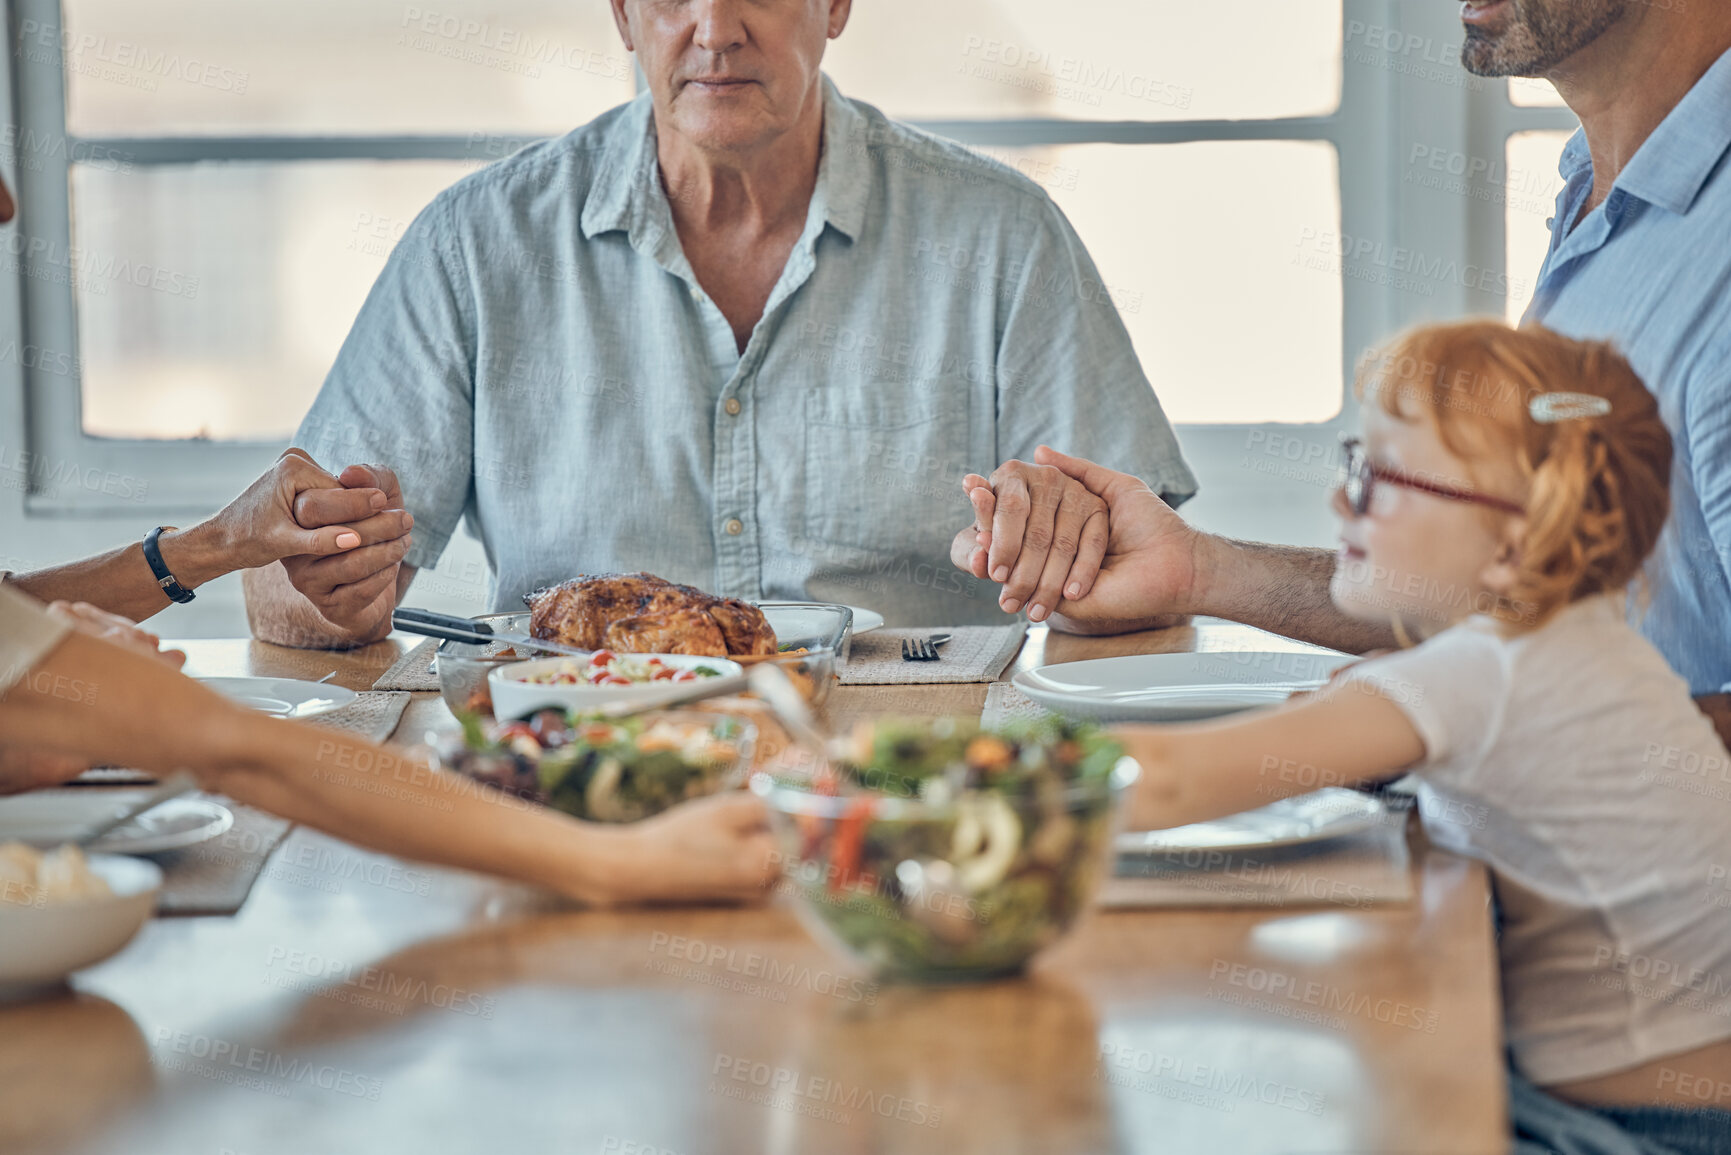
{"x": 341, "y": 538}
{"x": 357, "y": 527}
{"x": 1086, "y": 547}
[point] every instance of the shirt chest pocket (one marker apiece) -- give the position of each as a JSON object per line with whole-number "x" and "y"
{"x": 883, "y": 466}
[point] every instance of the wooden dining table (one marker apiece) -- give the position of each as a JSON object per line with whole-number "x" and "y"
{"x": 361, "y": 1004}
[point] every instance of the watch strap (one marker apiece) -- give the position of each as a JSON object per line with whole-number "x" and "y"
{"x": 153, "y": 558}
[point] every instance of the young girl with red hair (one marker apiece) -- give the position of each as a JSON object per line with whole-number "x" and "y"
{"x": 1508, "y": 487}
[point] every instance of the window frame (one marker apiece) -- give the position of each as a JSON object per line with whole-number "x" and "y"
{"x": 1370, "y": 131}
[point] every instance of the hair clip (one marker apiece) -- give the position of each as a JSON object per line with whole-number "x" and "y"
{"x": 1550, "y": 408}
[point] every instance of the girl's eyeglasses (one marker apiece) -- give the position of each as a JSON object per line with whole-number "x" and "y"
{"x": 1358, "y": 478}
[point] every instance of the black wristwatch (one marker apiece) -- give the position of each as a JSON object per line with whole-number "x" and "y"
{"x": 153, "y": 556}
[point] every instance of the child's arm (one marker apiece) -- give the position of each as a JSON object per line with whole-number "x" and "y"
{"x": 1337, "y": 737}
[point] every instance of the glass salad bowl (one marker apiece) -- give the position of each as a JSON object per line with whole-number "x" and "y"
{"x": 942, "y": 852}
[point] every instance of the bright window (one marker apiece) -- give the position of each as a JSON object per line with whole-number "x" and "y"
{"x": 1531, "y": 92}
{"x": 216, "y": 183}
{"x": 1158, "y": 60}
{"x": 152, "y": 68}
{"x": 256, "y": 272}
{"x": 1533, "y": 187}
{"x": 1179, "y": 229}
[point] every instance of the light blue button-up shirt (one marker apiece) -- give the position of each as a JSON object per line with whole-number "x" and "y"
{"x": 539, "y": 357}
{"x": 1650, "y": 269}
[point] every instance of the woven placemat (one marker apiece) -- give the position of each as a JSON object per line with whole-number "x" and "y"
{"x": 973, "y": 654}
{"x": 413, "y": 671}
{"x": 1369, "y": 868}
{"x": 215, "y": 877}
{"x": 1005, "y": 703}
{"x": 374, "y": 715}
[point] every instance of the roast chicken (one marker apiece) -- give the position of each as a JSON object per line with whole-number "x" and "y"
{"x": 640, "y": 613}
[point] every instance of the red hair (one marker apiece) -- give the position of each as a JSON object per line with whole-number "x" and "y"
{"x": 1598, "y": 486}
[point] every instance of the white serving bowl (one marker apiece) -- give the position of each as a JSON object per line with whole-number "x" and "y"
{"x": 513, "y": 697}
{"x": 41, "y": 945}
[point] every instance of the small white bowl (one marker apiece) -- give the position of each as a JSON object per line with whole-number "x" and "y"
{"x": 513, "y": 697}
{"x": 41, "y": 945}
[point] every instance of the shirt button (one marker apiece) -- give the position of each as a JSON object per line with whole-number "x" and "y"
{"x": 733, "y": 407}
{"x": 734, "y": 527}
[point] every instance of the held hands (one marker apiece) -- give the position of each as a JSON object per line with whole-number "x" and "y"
{"x": 1146, "y": 567}
{"x": 294, "y": 510}
{"x": 297, "y": 509}
{"x": 1037, "y": 532}
{"x": 355, "y": 589}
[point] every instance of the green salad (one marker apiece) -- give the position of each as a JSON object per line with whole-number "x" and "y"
{"x": 941, "y": 850}
{"x": 618, "y": 770}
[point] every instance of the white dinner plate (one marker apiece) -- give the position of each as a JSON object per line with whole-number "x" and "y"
{"x": 1327, "y": 813}
{"x": 1177, "y": 687}
{"x": 865, "y": 621}
{"x": 283, "y": 697}
{"x": 46, "y": 818}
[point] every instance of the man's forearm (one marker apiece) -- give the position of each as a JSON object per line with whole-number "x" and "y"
{"x": 120, "y": 580}
{"x": 1282, "y": 589}
{"x": 103, "y": 703}
{"x": 280, "y": 614}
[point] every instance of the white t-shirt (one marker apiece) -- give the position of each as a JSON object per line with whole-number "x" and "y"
{"x": 1572, "y": 761}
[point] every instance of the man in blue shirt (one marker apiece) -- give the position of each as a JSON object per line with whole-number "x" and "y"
{"x": 1640, "y": 255}
{"x": 742, "y": 332}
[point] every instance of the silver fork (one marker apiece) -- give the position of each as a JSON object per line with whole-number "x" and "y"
{"x": 922, "y": 649}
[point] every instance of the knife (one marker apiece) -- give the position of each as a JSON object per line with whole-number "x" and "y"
{"x": 455, "y": 629}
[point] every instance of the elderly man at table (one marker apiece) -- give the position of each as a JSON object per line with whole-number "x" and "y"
{"x": 743, "y": 332}
{"x": 1640, "y": 255}
{"x": 70, "y": 698}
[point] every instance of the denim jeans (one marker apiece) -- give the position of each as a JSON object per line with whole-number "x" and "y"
{"x": 1544, "y": 1125}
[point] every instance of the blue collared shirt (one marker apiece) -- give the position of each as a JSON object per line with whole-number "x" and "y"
{"x": 539, "y": 357}
{"x": 1650, "y": 269}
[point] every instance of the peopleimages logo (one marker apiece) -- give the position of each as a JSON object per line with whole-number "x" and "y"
{"x": 92, "y": 269}
{"x": 756, "y": 970}
{"x": 257, "y": 1068}
{"x": 803, "y": 1094}
{"x": 1164, "y": 1074}
{"x": 524, "y": 50}
{"x": 1276, "y": 985}
{"x": 1066, "y": 77}
{"x": 88, "y": 52}
{"x": 50, "y": 475}
{"x": 391, "y": 987}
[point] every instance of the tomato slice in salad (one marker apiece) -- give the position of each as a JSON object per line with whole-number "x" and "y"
{"x": 518, "y": 730}
{"x": 844, "y": 854}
